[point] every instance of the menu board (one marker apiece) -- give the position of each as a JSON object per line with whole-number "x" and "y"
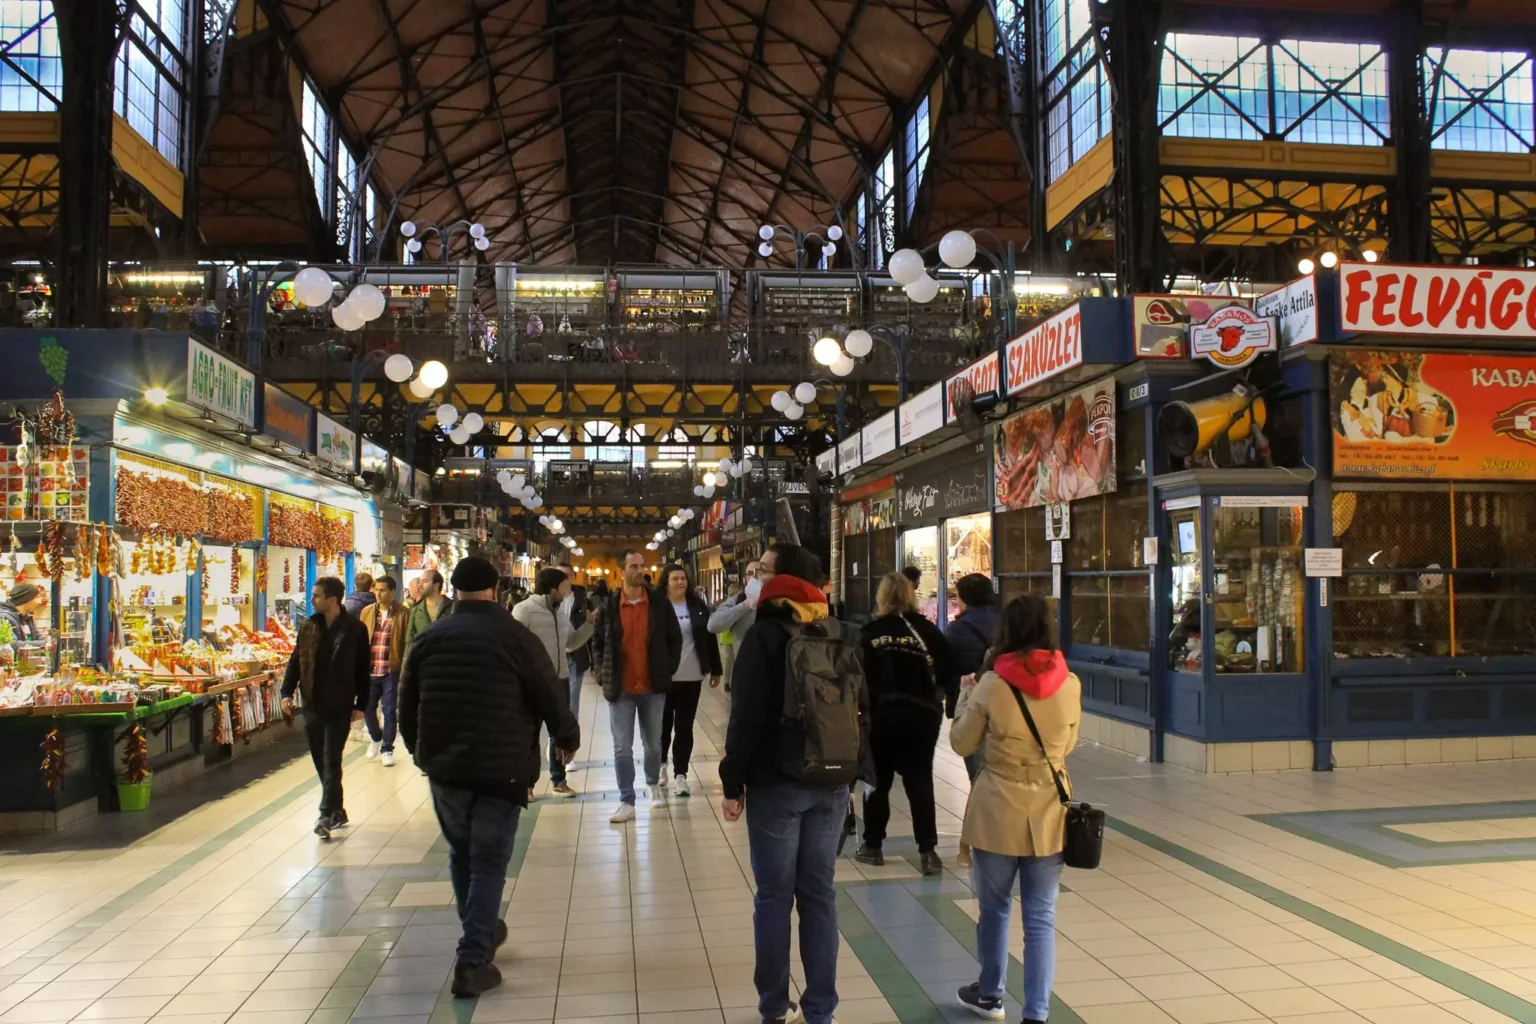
{"x": 1420, "y": 415}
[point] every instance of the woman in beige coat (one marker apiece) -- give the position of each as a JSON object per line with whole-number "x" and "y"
{"x": 1015, "y": 823}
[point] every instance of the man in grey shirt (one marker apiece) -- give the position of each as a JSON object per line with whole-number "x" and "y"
{"x": 734, "y": 617}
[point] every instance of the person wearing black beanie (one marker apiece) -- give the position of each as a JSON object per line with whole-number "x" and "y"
{"x": 474, "y": 689}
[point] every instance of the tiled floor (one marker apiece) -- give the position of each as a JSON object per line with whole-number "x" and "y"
{"x": 1390, "y": 896}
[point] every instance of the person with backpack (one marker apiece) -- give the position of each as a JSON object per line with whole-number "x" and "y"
{"x": 970, "y": 636}
{"x": 912, "y": 682}
{"x": 1022, "y": 718}
{"x": 795, "y": 742}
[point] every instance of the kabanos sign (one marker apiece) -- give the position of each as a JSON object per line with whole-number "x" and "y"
{"x": 1385, "y": 298}
{"x": 981, "y": 375}
{"x": 1045, "y": 350}
{"x": 1233, "y": 337}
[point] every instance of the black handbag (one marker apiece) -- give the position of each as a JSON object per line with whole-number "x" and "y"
{"x": 1085, "y": 824}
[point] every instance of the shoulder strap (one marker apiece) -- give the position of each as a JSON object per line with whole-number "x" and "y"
{"x": 927, "y": 654}
{"x": 1061, "y": 791}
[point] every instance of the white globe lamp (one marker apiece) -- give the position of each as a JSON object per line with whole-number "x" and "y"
{"x": 474, "y": 422}
{"x": 859, "y": 343}
{"x": 312, "y": 286}
{"x": 408, "y": 229}
{"x": 765, "y": 232}
{"x": 795, "y": 410}
{"x": 399, "y": 368}
{"x": 434, "y": 373}
{"x": 419, "y": 388}
{"x": 368, "y": 300}
{"x": 957, "y": 249}
{"x": 835, "y": 233}
{"x": 905, "y": 266}
{"x": 459, "y": 435}
{"x": 924, "y": 289}
{"x": 805, "y": 391}
{"x": 781, "y": 400}
{"x": 826, "y": 351}
{"x": 477, "y": 230}
{"x": 348, "y": 317}
{"x": 765, "y": 249}
{"x": 447, "y": 416}
{"x": 843, "y": 367}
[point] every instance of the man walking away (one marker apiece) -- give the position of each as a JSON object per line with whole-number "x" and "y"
{"x": 547, "y": 615}
{"x": 385, "y": 622}
{"x": 433, "y": 605}
{"x": 329, "y": 668}
{"x": 362, "y": 594}
{"x": 640, "y": 645}
{"x": 793, "y": 774}
{"x": 474, "y": 689}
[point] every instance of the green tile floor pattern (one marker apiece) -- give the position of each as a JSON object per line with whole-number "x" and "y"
{"x": 893, "y": 977}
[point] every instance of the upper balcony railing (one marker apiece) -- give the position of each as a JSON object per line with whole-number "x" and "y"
{"x": 555, "y": 323}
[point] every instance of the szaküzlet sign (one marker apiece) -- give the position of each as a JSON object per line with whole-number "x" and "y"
{"x": 220, "y": 386}
{"x": 1045, "y": 350}
{"x": 1384, "y": 298}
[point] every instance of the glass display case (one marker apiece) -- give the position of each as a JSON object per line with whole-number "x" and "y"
{"x": 1257, "y": 589}
{"x": 154, "y": 591}
{"x": 920, "y": 548}
{"x": 287, "y": 597}
{"x": 967, "y": 549}
{"x": 1184, "y": 648}
{"x": 71, "y": 621}
{"x": 229, "y": 600}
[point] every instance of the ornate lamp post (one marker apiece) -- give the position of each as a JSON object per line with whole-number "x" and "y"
{"x": 415, "y": 233}
{"x": 958, "y": 250}
{"x": 826, "y": 238}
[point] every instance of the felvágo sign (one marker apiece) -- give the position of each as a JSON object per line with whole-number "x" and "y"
{"x": 1487, "y": 302}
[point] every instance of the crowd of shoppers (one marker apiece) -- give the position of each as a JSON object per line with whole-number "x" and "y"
{"x": 471, "y": 684}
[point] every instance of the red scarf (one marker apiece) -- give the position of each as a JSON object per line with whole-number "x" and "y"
{"x": 792, "y": 588}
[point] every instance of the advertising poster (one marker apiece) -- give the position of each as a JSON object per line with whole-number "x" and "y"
{"x": 1059, "y": 450}
{"x": 1418, "y": 415}
{"x": 1161, "y": 322}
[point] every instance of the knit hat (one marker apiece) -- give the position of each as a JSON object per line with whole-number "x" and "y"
{"x": 21, "y": 593}
{"x": 475, "y": 574}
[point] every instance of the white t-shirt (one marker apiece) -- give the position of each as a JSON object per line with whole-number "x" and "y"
{"x": 688, "y": 669}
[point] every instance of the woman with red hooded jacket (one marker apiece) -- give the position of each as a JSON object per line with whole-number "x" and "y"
{"x": 1015, "y": 823}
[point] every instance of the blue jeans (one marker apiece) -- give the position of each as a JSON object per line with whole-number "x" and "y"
{"x": 1039, "y": 880}
{"x": 792, "y": 832}
{"x": 381, "y": 693}
{"x": 649, "y": 707}
{"x": 557, "y": 766}
{"x": 480, "y": 831}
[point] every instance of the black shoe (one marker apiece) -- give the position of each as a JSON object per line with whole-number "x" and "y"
{"x": 323, "y": 826}
{"x": 870, "y": 855}
{"x": 501, "y": 934}
{"x": 470, "y": 981}
{"x": 982, "y": 1006}
{"x": 929, "y": 863}
{"x": 339, "y": 820}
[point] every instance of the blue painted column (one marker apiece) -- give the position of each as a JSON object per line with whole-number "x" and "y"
{"x": 311, "y": 565}
{"x": 192, "y": 624}
{"x": 101, "y": 507}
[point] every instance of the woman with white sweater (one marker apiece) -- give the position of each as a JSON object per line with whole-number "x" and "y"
{"x": 548, "y": 617}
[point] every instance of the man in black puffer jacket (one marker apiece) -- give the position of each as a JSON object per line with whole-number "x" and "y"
{"x": 474, "y": 688}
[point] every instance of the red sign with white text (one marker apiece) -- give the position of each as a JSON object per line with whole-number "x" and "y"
{"x": 1388, "y": 298}
{"x": 982, "y": 376}
{"x": 1045, "y": 350}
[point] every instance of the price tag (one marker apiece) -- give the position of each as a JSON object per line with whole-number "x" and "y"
{"x": 1324, "y": 561}
{"x": 1056, "y": 558}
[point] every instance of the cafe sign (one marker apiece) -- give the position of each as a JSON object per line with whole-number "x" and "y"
{"x": 1458, "y": 302}
{"x": 959, "y": 487}
{"x": 220, "y": 385}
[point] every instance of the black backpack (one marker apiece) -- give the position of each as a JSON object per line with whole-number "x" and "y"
{"x": 823, "y": 693}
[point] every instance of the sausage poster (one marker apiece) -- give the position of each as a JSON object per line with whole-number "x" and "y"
{"x": 1420, "y": 415}
{"x": 1058, "y": 450}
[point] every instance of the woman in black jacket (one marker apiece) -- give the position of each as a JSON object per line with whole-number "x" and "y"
{"x": 700, "y": 659}
{"x": 912, "y": 681}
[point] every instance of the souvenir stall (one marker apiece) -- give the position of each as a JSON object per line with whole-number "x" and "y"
{"x": 146, "y": 534}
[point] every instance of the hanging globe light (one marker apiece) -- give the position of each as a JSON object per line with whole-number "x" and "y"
{"x": 434, "y": 373}
{"x": 957, "y": 249}
{"x": 805, "y": 391}
{"x": 859, "y": 343}
{"x": 826, "y": 351}
{"x": 905, "y": 266}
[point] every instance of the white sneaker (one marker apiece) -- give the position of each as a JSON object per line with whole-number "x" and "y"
{"x": 388, "y": 760}
{"x": 626, "y": 812}
{"x": 658, "y": 797}
{"x": 680, "y": 785}
{"x": 373, "y": 751}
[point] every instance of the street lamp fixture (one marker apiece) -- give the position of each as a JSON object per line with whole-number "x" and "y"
{"x": 414, "y": 234}
{"x": 820, "y": 241}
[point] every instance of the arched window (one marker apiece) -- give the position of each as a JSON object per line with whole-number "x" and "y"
{"x": 604, "y": 441}
{"x": 679, "y": 452}
{"x": 553, "y": 446}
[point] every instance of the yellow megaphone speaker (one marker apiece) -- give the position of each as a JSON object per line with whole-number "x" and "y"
{"x": 1189, "y": 428}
